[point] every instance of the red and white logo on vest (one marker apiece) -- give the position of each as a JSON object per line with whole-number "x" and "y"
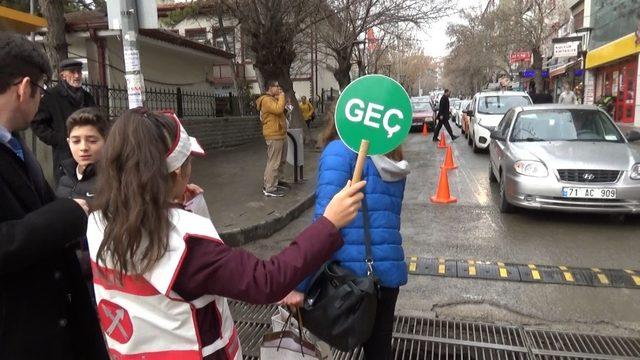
{"x": 115, "y": 321}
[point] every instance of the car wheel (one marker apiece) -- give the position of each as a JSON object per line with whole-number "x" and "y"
{"x": 492, "y": 176}
{"x": 475, "y": 148}
{"x": 504, "y": 205}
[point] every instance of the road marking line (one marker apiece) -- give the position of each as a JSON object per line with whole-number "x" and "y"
{"x": 567, "y": 275}
{"x": 629, "y": 271}
{"x": 472, "y": 268}
{"x": 412, "y": 264}
{"x": 602, "y": 277}
{"x": 503, "y": 270}
{"x": 441, "y": 267}
{"x": 534, "y": 272}
{"x": 634, "y": 277}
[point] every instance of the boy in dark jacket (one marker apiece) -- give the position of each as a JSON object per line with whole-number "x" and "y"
{"x": 86, "y": 130}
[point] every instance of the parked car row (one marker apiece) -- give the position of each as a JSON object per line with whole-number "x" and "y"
{"x": 570, "y": 158}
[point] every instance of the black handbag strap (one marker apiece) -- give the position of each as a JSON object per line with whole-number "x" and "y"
{"x": 367, "y": 238}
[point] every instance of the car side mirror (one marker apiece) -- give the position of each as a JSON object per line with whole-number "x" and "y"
{"x": 633, "y": 136}
{"x": 497, "y": 135}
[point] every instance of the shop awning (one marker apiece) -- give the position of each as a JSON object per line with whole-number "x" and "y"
{"x": 612, "y": 51}
{"x": 18, "y": 21}
{"x": 562, "y": 68}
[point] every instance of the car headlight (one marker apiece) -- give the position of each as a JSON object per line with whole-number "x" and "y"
{"x": 635, "y": 172}
{"x": 531, "y": 168}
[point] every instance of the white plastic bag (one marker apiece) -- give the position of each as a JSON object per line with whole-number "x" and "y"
{"x": 277, "y": 324}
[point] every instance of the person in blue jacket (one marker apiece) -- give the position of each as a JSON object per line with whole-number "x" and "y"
{"x": 386, "y": 178}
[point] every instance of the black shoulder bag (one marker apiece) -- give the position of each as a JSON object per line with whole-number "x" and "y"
{"x": 340, "y": 307}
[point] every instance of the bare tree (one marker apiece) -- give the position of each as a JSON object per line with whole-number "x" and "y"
{"x": 348, "y": 20}
{"x": 536, "y": 20}
{"x": 55, "y": 41}
{"x": 271, "y": 28}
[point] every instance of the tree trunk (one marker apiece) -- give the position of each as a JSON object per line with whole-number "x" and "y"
{"x": 342, "y": 73}
{"x": 537, "y": 66}
{"x": 240, "y": 89}
{"x": 55, "y": 42}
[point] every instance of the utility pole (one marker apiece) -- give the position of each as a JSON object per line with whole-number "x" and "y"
{"x": 133, "y": 73}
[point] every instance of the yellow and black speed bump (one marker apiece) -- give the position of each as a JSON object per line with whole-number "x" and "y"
{"x": 531, "y": 273}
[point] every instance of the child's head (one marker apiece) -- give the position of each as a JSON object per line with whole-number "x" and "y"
{"x": 86, "y": 133}
{"x": 146, "y": 164}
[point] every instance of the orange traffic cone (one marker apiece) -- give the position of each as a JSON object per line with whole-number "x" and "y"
{"x": 443, "y": 141}
{"x": 425, "y": 131}
{"x": 448, "y": 160}
{"x": 442, "y": 195}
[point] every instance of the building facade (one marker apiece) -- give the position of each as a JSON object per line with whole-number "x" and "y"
{"x": 612, "y": 60}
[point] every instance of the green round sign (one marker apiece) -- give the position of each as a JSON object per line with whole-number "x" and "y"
{"x": 374, "y": 108}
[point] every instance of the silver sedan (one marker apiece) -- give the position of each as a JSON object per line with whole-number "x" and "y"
{"x": 564, "y": 157}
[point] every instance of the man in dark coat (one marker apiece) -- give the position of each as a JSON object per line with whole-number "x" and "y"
{"x": 443, "y": 117}
{"x": 56, "y": 106}
{"x": 45, "y": 309}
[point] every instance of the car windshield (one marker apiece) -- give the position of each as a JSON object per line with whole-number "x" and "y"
{"x": 421, "y": 106}
{"x": 456, "y": 104}
{"x": 500, "y": 104}
{"x": 564, "y": 125}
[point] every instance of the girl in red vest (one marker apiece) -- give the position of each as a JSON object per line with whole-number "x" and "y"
{"x": 161, "y": 273}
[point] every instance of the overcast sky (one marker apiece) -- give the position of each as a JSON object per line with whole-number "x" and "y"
{"x": 435, "y": 39}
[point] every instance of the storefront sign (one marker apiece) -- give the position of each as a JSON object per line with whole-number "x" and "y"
{"x": 566, "y": 49}
{"x": 519, "y": 56}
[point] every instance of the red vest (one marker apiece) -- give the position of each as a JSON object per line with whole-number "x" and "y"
{"x": 142, "y": 317}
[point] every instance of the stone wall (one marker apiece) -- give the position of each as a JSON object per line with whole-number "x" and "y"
{"x": 221, "y": 132}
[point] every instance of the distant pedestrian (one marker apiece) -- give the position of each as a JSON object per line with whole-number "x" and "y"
{"x": 274, "y": 129}
{"x": 443, "y": 117}
{"x": 161, "y": 273}
{"x": 56, "y": 106}
{"x": 45, "y": 308}
{"x": 567, "y": 96}
{"x": 308, "y": 112}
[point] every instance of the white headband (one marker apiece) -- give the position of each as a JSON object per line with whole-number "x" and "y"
{"x": 183, "y": 146}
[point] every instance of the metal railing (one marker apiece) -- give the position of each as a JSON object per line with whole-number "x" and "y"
{"x": 185, "y": 102}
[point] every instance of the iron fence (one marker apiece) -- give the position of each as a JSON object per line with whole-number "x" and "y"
{"x": 186, "y": 103}
{"x": 189, "y": 103}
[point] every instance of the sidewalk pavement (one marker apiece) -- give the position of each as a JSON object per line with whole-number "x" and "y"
{"x": 232, "y": 180}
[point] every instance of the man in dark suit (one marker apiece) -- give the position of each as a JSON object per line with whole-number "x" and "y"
{"x": 443, "y": 117}
{"x": 45, "y": 309}
{"x": 55, "y": 107}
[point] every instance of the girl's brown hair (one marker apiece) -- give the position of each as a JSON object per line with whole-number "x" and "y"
{"x": 134, "y": 191}
{"x": 330, "y": 133}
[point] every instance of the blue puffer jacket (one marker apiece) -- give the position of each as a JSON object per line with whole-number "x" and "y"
{"x": 384, "y": 201}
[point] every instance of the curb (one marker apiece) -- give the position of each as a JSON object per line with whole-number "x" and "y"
{"x": 251, "y": 233}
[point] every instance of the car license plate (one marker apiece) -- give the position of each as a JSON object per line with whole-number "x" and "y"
{"x": 589, "y": 193}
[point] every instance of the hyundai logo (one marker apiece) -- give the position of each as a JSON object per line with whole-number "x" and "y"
{"x": 589, "y": 176}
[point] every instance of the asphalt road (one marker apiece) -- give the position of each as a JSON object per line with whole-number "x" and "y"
{"x": 473, "y": 228}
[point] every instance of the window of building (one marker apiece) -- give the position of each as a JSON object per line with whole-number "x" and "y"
{"x": 578, "y": 19}
{"x": 218, "y": 42}
{"x": 199, "y": 35}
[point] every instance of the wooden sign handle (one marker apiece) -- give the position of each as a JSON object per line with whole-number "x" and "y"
{"x": 362, "y": 157}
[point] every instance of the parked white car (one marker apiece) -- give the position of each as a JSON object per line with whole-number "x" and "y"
{"x": 487, "y": 109}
